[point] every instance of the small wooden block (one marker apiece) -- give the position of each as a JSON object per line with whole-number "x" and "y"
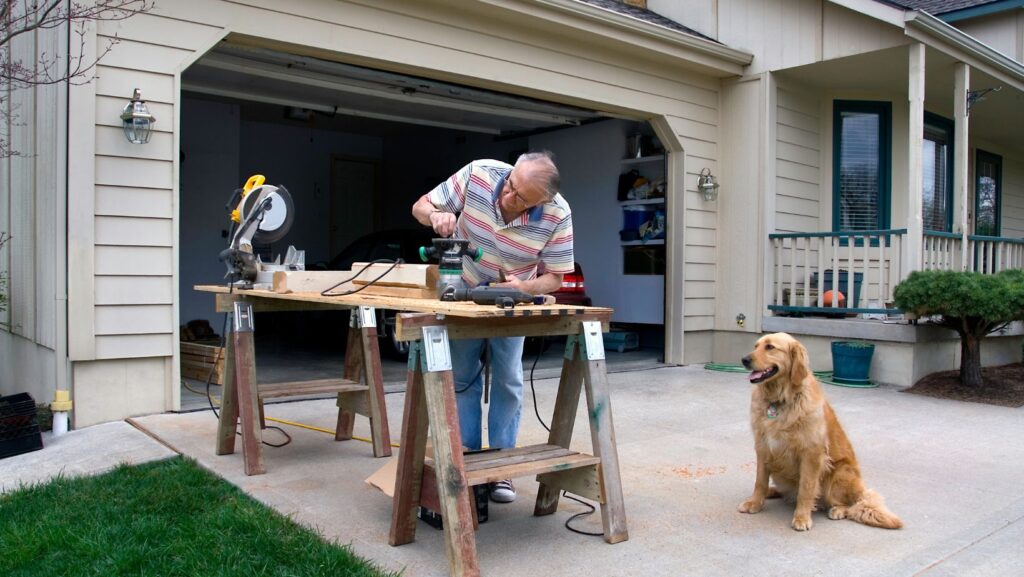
{"x": 401, "y": 275}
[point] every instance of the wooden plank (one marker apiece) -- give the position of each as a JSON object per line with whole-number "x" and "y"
{"x": 534, "y": 467}
{"x": 402, "y": 275}
{"x": 409, "y": 477}
{"x": 602, "y": 436}
{"x": 443, "y": 420}
{"x": 228, "y": 421}
{"x": 433, "y": 306}
{"x": 583, "y": 482}
{"x": 563, "y": 420}
{"x": 374, "y": 378}
{"x": 262, "y": 305}
{"x": 316, "y": 387}
{"x": 409, "y": 326}
{"x": 248, "y": 403}
{"x": 310, "y": 281}
{"x": 399, "y": 292}
{"x": 353, "y": 371}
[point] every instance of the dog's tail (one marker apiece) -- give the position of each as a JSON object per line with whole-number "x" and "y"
{"x": 870, "y": 509}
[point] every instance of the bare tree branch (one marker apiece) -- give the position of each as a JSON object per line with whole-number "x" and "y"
{"x": 18, "y": 17}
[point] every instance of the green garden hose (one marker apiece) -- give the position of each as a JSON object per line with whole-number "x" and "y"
{"x": 823, "y": 376}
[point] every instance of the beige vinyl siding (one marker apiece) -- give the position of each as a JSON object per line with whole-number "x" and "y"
{"x": 134, "y": 208}
{"x": 798, "y": 176}
{"x": 1013, "y": 197}
{"x": 783, "y": 33}
{"x": 31, "y": 195}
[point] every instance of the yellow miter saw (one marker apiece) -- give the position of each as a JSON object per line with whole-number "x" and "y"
{"x": 260, "y": 213}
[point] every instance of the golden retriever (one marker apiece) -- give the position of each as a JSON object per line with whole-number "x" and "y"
{"x": 799, "y": 442}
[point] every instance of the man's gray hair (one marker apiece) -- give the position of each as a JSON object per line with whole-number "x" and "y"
{"x": 546, "y": 170}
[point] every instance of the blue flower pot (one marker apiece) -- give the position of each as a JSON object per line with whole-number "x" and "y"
{"x": 851, "y": 361}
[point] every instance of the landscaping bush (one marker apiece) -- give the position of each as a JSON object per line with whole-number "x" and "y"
{"x": 972, "y": 304}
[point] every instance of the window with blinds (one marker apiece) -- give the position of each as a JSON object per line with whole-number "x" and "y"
{"x": 937, "y": 174}
{"x": 861, "y": 171}
{"x": 988, "y": 170}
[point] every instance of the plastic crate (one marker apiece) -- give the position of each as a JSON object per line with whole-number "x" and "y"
{"x": 621, "y": 341}
{"x": 19, "y": 431}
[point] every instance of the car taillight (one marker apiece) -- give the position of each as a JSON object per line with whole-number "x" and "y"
{"x": 573, "y": 283}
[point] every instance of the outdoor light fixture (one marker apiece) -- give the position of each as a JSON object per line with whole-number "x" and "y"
{"x": 138, "y": 122}
{"x": 707, "y": 185}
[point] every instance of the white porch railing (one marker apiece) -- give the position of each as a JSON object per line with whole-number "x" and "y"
{"x": 869, "y": 268}
{"x": 991, "y": 254}
{"x": 836, "y": 272}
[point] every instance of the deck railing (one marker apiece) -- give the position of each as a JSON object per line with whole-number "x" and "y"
{"x": 836, "y": 272}
{"x": 803, "y": 277}
{"x": 991, "y": 254}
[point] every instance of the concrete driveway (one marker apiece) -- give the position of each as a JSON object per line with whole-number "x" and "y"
{"x": 951, "y": 470}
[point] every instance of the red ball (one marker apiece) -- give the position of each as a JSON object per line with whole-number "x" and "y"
{"x": 829, "y": 296}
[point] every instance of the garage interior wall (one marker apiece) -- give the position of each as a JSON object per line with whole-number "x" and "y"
{"x": 224, "y": 142}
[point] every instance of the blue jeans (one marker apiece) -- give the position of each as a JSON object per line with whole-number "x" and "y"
{"x": 506, "y": 399}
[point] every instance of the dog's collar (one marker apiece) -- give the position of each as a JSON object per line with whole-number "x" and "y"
{"x": 773, "y": 409}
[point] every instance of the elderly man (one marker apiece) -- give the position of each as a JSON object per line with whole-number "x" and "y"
{"x": 516, "y": 215}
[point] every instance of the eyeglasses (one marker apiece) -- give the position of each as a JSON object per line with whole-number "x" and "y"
{"x": 512, "y": 188}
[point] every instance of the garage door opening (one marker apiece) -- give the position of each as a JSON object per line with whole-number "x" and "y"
{"x": 356, "y": 147}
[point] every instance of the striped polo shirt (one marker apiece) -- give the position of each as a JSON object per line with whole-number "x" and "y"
{"x": 540, "y": 236}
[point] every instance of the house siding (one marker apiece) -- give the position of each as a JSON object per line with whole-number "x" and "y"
{"x": 1013, "y": 197}
{"x": 33, "y": 259}
{"x": 1004, "y": 32}
{"x": 798, "y": 156}
{"x": 126, "y": 287}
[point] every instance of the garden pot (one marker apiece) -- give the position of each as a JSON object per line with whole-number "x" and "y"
{"x": 851, "y": 361}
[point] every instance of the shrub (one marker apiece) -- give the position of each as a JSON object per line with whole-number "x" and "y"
{"x": 972, "y": 304}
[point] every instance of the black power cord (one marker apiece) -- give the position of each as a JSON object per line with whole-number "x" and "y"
{"x": 327, "y": 292}
{"x": 209, "y": 381}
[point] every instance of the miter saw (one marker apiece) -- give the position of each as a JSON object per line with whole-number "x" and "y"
{"x": 260, "y": 213}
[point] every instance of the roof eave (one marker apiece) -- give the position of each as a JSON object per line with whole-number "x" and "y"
{"x": 731, "y": 60}
{"x": 923, "y": 26}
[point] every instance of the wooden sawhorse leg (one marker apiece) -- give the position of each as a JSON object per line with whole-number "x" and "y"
{"x": 585, "y": 364}
{"x": 362, "y": 358}
{"x": 430, "y": 402}
{"x": 240, "y": 398}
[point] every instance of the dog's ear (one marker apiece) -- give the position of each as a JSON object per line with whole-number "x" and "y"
{"x": 799, "y": 363}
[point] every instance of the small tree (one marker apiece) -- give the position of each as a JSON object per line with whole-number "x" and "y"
{"x": 972, "y": 304}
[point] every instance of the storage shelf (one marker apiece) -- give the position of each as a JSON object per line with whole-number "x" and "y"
{"x": 643, "y": 159}
{"x": 660, "y": 200}
{"x": 652, "y": 242}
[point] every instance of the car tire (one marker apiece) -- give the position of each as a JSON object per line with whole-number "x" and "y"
{"x": 392, "y": 347}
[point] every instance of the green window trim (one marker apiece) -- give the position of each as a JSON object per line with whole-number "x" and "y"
{"x": 942, "y": 123}
{"x": 982, "y": 157}
{"x": 884, "y": 160}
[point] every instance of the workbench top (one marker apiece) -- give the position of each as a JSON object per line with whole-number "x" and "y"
{"x": 433, "y": 306}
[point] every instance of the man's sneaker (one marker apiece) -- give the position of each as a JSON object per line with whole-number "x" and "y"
{"x": 503, "y": 492}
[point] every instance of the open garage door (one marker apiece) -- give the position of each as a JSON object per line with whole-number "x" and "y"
{"x": 356, "y": 147}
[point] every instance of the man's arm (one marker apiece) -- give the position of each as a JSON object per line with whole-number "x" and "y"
{"x": 546, "y": 283}
{"x": 427, "y": 214}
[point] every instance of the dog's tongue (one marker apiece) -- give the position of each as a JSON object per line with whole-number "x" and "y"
{"x": 754, "y": 375}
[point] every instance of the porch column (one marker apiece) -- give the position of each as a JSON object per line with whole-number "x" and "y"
{"x": 961, "y": 83}
{"x": 915, "y": 142}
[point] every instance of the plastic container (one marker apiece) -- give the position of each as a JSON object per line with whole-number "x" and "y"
{"x": 851, "y": 361}
{"x": 19, "y": 431}
{"x": 636, "y": 215}
{"x": 826, "y": 284}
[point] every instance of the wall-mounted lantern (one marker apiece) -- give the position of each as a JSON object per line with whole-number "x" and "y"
{"x": 138, "y": 122}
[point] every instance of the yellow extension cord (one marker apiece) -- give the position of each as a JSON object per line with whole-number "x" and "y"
{"x": 216, "y": 402}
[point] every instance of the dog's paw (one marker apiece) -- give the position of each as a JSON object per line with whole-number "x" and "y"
{"x": 836, "y": 513}
{"x": 802, "y": 522}
{"x": 751, "y": 506}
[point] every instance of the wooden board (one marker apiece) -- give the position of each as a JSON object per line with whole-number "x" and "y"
{"x": 401, "y": 275}
{"x": 196, "y": 360}
{"x": 422, "y": 305}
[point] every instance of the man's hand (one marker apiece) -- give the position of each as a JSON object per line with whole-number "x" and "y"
{"x": 443, "y": 223}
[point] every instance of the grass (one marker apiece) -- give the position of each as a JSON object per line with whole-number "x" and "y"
{"x": 164, "y": 518}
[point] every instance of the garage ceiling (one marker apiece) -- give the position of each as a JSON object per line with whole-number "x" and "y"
{"x": 304, "y": 85}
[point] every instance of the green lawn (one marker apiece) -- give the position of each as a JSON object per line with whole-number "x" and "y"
{"x": 165, "y": 518}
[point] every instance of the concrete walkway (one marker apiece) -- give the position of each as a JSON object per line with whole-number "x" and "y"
{"x": 953, "y": 471}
